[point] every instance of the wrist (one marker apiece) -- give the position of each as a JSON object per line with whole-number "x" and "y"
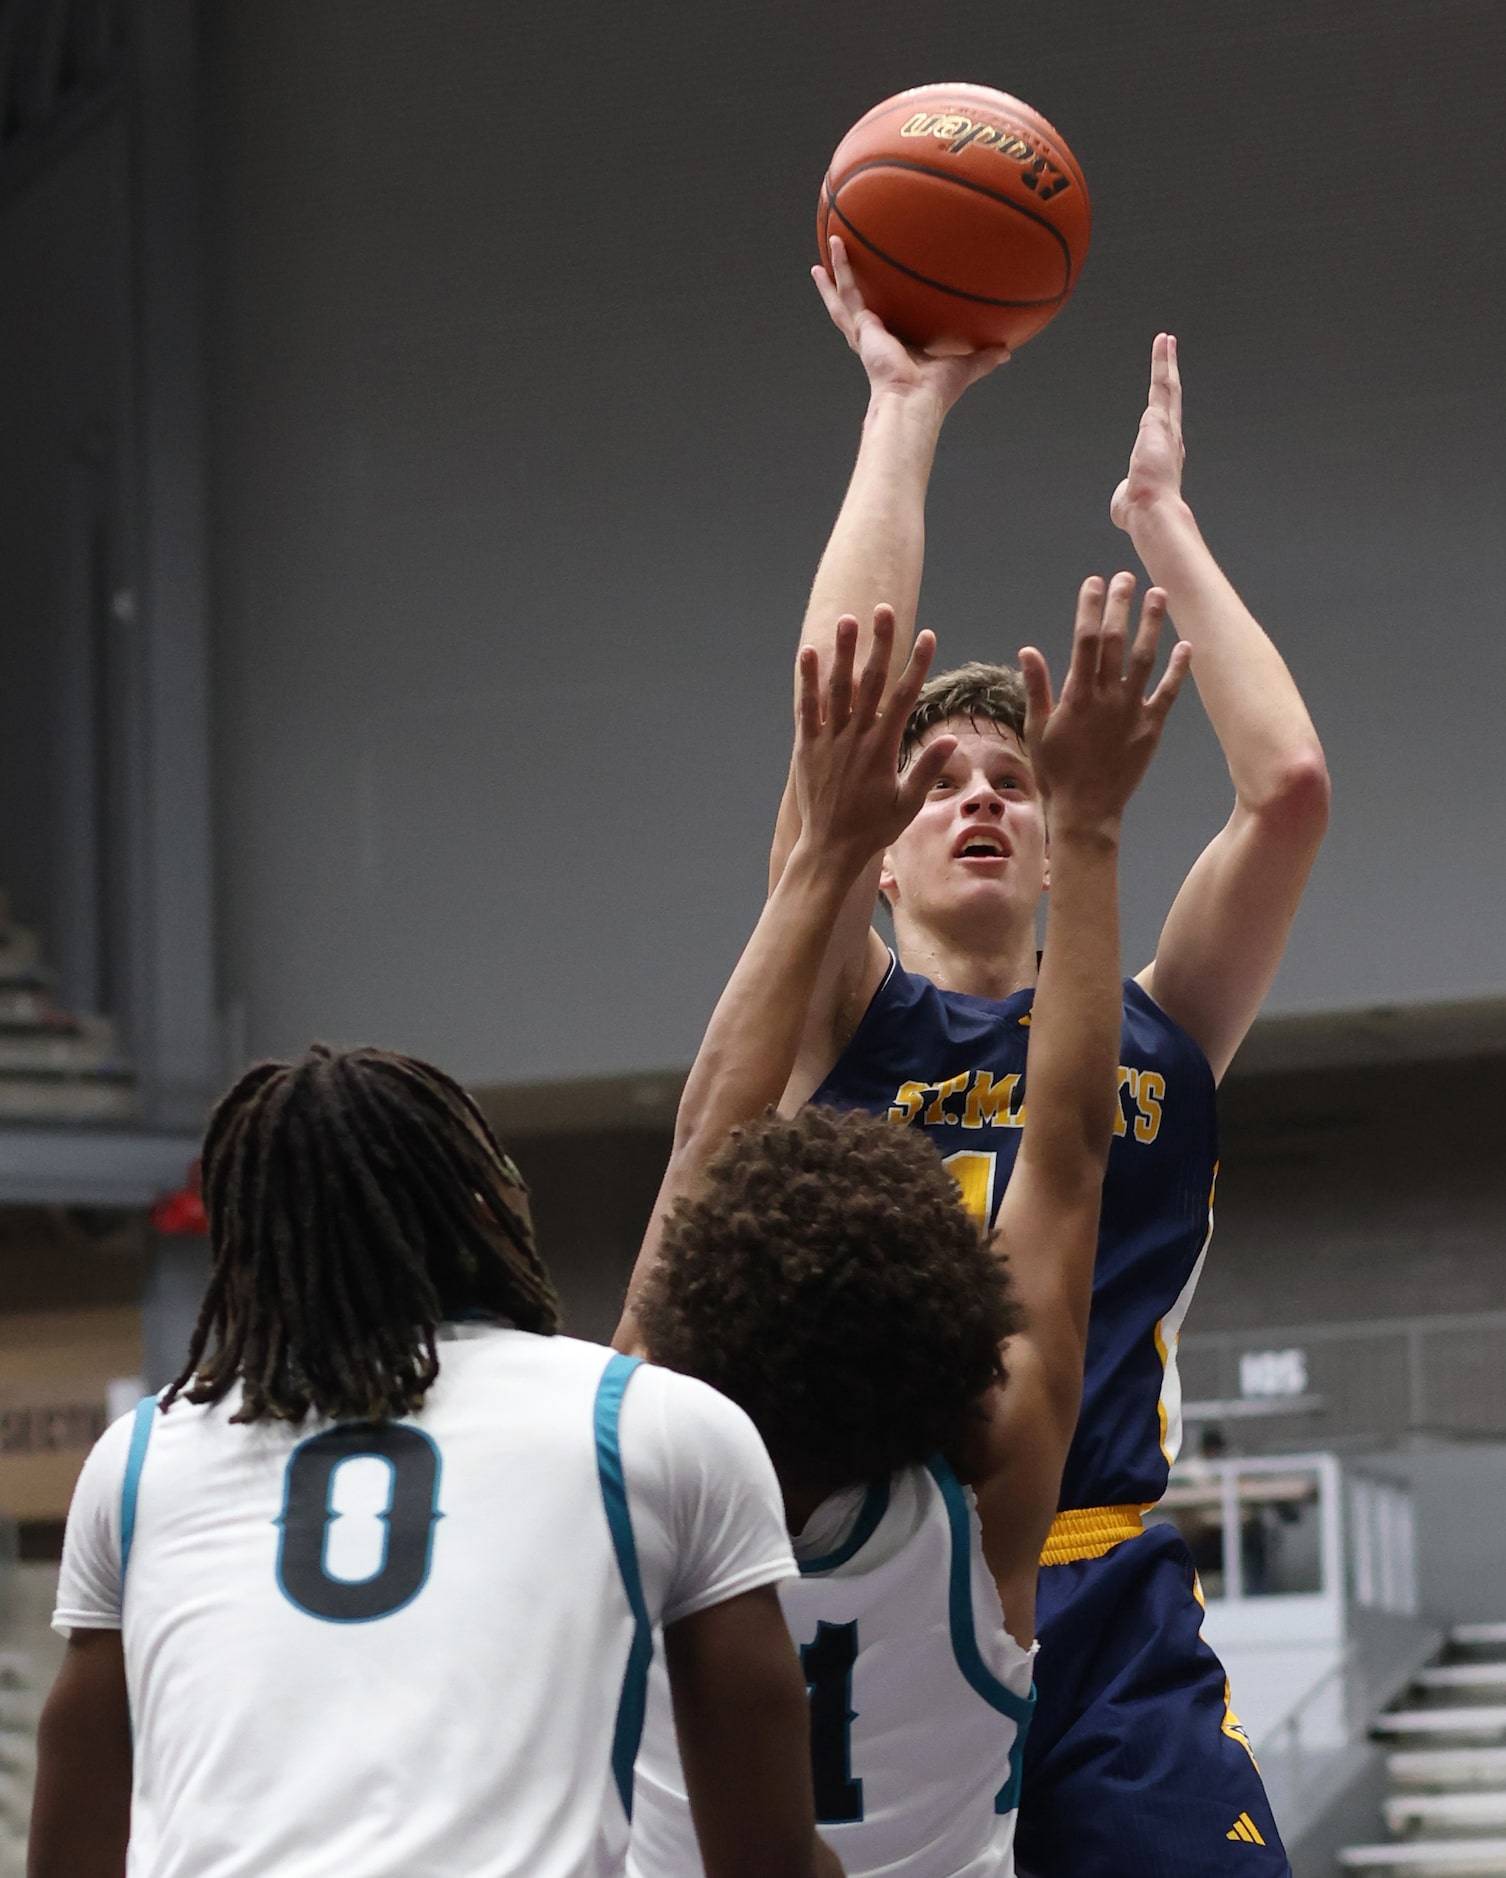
{"x": 1084, "y": 830}
{"x": 1163, "y": 519}
{"x": 914, "y": 407}
{"x": 823, "y": 867}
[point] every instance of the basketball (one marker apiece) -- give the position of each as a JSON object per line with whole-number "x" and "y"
{"x": 965, "y": 216}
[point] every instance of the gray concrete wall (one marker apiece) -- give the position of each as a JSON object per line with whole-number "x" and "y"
{"x": 64, "y": 391}
{"x": 527, "y": 429}
{"x": 1363, "y": 1193}
{"x": 1460, "y": 1498}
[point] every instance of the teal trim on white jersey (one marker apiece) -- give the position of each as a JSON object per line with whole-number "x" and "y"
{"x": 629, "y": 1730}
{"x": 918, "y": 1694}
{"x": 472, "y": 1730}
{"x": 960, "y": 1603}
{"x": 141, "y": 1434}
{"x": 875, "y": 1505}
{"x": 995, "y": 1693}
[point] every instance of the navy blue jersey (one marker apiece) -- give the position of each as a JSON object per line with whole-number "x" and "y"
{"x": 954, "y": 1066}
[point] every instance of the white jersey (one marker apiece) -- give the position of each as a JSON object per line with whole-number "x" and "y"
{"x": 919, "y": 1697}
{"x": 413, "y": 1649}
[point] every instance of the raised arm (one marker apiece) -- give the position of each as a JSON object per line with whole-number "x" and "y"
{"x": 852, "y": 803}
{"x": 875, "y": 555}
{"x": 1228, "y": 926}
{"x": 1089, "y": 752}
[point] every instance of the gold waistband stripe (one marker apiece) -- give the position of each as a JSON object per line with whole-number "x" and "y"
{"x": 1089, "y": 1532}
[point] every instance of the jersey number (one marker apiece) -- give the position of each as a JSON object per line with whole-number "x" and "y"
{"x": 383, "y": 1545}
{"x": 828, "y": 1680}
{"x": 974, "y": 1174}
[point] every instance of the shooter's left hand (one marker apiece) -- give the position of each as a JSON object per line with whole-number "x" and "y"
{"x": 1155, "y": 465}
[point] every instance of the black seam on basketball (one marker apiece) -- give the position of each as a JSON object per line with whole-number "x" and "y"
{"x": 961, "y": 182}
{"x": 940, "y": 286}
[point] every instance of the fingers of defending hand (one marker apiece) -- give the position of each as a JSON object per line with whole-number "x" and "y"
{"x": 839, "y": 683}
{"x": 930, "y": 760}
{"x": 1037, "y": 676}
{"x": 1164, "y": 696}
{"x": 1142, "y": 660}
{"x": 908, "y": 686}
{"x": 875, "y": 673}
{"x": 1115, "y": 630}
{"x": 1087, "y": 633}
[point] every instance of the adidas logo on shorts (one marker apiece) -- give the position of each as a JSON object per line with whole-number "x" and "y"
{"x": 1244, "y": 1828}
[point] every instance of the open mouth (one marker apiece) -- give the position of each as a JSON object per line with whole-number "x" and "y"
{"x": 981, "y": 848}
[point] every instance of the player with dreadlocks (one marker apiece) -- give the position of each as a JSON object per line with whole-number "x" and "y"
{"x": 371, "y": 1588}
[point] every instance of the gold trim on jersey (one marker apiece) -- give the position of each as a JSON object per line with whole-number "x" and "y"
{"x": 1168, "y": 1333}
{"x": 1231, "y": 1725}
{"x": 1089, "y": 1532}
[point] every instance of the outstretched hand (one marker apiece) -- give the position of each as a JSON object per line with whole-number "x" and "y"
{"x": 1155, "y": 465}
{"x": 853, "y": 800}
{"x": 1091, "y": 746}
{"x": 889, "y": 363}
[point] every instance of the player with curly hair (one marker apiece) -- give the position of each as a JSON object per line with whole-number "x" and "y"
{"x": 916, "y": 1384}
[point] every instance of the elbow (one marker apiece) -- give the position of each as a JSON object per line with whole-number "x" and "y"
{"x": 1296, "y": 801}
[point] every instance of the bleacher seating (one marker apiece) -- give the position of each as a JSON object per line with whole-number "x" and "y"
{"x": 1446, "y": 1766}
{"x": 55, "y": 1065}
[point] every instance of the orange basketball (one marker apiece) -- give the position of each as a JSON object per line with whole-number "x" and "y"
{"x": 965, "y": 216}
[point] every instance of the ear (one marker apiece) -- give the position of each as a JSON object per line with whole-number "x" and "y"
{"x": 888, "y": 885}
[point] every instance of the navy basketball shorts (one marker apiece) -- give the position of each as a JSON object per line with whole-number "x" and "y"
{"x": 1134, "y": 1765}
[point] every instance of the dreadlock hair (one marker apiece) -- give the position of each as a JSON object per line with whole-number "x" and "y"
{"x": 826, "y": 1276}
{"x": 980, "y": 693}
{"x": 356, "y": 1200}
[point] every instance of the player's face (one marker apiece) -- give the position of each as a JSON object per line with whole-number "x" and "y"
{"x": 975, "y": 855}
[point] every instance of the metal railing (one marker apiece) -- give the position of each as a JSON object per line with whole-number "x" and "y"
{"x": 1355, "y": 1532}
{"x": 1370, "y": 1380}
{"x": 1310, "y": 1569}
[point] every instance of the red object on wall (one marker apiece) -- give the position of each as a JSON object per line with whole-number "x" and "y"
{"x": 181, "y": 1215}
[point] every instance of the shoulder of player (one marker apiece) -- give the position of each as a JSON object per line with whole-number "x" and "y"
{"x": 682, "y": 1431}
{"x": 689, "y": 1407}
{"x": 1140, "y": 1007}
{"x": 885, "y": 1007}
{"x": 108, "y": 1459}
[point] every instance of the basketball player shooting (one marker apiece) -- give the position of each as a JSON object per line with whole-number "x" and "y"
{"x": 1135, "y": 1762}
{"x": 824, "y": 1273}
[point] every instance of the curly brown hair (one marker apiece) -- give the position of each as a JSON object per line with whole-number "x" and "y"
{"x": 828, "y": 1279}
{"x": 989, "y": 694}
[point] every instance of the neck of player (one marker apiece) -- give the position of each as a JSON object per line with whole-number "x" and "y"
{"x": 983, "y": 963}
